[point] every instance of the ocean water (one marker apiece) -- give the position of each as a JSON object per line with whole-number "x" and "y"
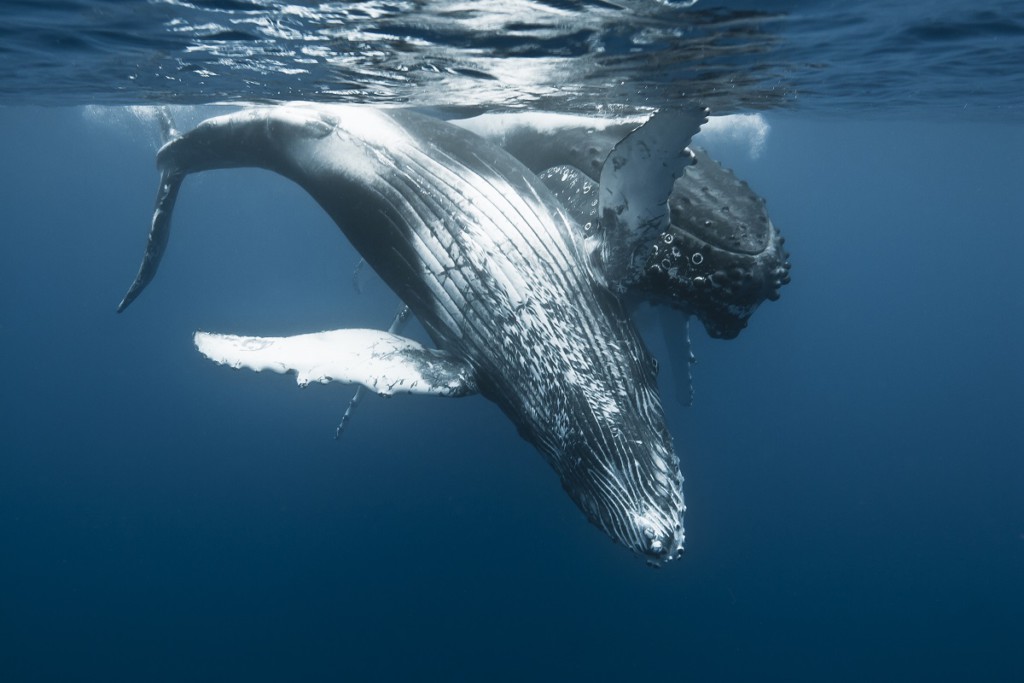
{"x": 853, "y": 460}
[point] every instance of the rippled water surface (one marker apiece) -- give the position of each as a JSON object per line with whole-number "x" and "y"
{"x": 932, "y": 56}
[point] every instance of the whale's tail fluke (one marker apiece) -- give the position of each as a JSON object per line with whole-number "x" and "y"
{"x": 241, "y": 139}
{"x": 167, "y": 195}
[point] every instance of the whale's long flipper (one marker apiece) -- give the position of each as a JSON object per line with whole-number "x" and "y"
{"x": 396, "y": 326}
{"x": 636, "y": 182}
{"x": 382, "y": 362}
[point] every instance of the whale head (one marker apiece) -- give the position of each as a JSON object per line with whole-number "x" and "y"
{"x": 628, "y": 484}
{"x": 614, "y": 454}
{"x": 721, "y": 256}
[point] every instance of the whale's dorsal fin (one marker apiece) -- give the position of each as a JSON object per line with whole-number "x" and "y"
{"x": 636, "y": 182}
{"x": 382, "y": 362}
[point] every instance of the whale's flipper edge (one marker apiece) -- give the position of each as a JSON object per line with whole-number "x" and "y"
{"x": 384, "y": 363}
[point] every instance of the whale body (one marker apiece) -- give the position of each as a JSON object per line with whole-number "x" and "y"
{"x": 493, "y": 265}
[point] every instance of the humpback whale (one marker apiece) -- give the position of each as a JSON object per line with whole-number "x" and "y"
{"x": 513, "y": 293}
{"x": 720, "y": 256}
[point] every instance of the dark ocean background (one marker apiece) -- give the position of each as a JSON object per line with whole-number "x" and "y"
{"x": 854, "y": 461}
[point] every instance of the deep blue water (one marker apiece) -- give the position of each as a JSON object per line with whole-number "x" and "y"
{"x": 853, "y": 461}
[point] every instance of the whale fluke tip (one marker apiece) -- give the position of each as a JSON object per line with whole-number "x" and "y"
{"x": 159, "y": 233}
{"x": 146, "y": 272}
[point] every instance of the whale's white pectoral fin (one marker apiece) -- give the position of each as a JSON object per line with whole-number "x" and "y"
{"x": 636, "y": 182}
{"x": 380, "y": 361}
